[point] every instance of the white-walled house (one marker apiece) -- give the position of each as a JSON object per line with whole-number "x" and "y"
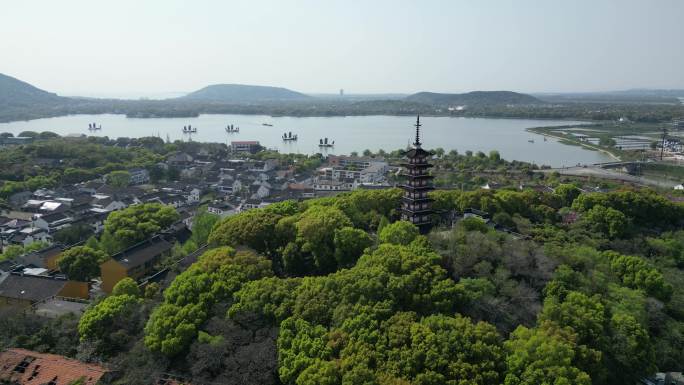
{"x": 52, "y": 222}
{"x": 221, "y": 209}
{"x": 139, "y": 176}
{"x": 194, "y": 196}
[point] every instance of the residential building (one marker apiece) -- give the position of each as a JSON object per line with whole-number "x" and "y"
{"x": 45, "y": 258}
{"x": 353, "y": 161}
{"x": 179, "y": 159}
{"x": 43, "y": 206}
{"x": 300, "y": 190}
{"x": 352, "y": 170}
{"x": 26, "y": 367}
{"x": 93, "y": 219}
{"x": 374, "y": 173}
{"x": 21, "y": 291}
{"x": 106, "y": 203}
{"x": 134, "y": 262}
{"x": 194, "y": 196}
{"x": 19, "y": 198}
{"x": 225, "y": 186}
{"x": 53, "y": 221}
{"x": 262, "y": 166}
{"x": 321, "y": 184}
{"x": 28, "y": 235}
{"x": 169, "y": 199}
{"x": 139, "y": 176}
{"x": 222, "y": 209}
{"x": 260, "y": 190}
{"x": 252, "y": 204}
{"x": 251, "y": 146}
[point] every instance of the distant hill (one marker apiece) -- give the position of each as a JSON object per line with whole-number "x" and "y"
{"x": 665, "y": 93}
{"x": 633, "y": 96}
{"x": 236, "y": 93}
{"x": 474, "y": 98}
{"x": 14, "y": 92}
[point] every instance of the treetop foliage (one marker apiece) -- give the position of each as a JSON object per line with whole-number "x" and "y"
{"x": 136, "y": 223}
{"x": 189, "y": 300}
{"x": 326, "y": 293}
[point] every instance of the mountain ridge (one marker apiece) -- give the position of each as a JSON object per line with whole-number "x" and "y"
{"x": 474, "y": 98}
{"x": 15, "y": 92}
{"x": 244, "y": 93}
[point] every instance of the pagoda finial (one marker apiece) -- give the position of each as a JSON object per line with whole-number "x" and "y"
{"x": 417, "y": 125}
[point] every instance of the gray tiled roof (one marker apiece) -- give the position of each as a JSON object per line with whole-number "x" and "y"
{"x": 30, "y": 288}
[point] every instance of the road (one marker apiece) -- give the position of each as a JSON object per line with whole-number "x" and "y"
{"x": 599, "y": 172}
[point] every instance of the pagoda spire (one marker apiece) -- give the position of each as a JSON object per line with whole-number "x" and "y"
{"x": 417, "y": 125}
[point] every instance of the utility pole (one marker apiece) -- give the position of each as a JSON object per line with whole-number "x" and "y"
{"x": 662, "y": 145}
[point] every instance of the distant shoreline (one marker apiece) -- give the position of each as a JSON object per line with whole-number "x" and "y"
{"x": 427, "y": 115}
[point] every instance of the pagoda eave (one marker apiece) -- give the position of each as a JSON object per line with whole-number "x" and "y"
{"x": 416, "y": 188}
{"x": 408, "y": 199}
{"x": 419, "y": 212}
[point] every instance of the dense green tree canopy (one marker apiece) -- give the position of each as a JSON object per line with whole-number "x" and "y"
{"x": 189, "y": 300}
{"x": 589, "y": 291}
{"x": 253, "y": 228}
{"x": 97, "y": 320}
{"x": 608, "y": 221}
{"x": 136, "y": 223}
{"x": 119, "y": 178}
{"x": 399, "y": 233}
{"x": 567, "y": 193}
{"x": 81, "y": 263}
{"x": 316, "y": 233}
{"x": 542, "y": 356}
{"x": 349, "y": 244}
{"x": 202, "y": 225}
{"x": 126, "y": 286}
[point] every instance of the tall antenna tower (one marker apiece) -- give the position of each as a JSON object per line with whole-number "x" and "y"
{"x": 662, "y": 145}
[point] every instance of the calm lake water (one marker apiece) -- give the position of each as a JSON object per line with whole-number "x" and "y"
{"x": 357, "y": 133}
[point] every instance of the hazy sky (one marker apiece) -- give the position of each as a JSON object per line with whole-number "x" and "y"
{"x": 114, "y": 47}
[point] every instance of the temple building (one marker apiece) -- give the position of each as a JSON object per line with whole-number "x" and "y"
{"x": 415, "y": 206}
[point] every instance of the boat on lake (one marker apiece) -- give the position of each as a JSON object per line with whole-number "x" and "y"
{"x": 230, "y": 128}
{"x": 189, "y": 129}
{"x": 289, "y": 136}
{"x": 267, "y": 124}
{"x": 324, "y": 143}
{"x": 531, "y": 140}
{"x": 94, "y": 127}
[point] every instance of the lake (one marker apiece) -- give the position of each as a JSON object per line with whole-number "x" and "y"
{"x": 352, "y": 133}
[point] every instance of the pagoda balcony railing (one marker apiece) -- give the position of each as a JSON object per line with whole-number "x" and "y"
{"x": 417, "y": 219}
{"x": 423, "y": 182}
{"x": 416, "y": 165}
{"x": 424, "y": 187}
{"x": 416, "y": 208}
{"x": 416, "y": 199}
{"x": 417, "y": 174}
{"x": 415, "y": 160}
{"x": 417, "y": 195}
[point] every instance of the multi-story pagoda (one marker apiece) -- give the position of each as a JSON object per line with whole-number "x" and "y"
{"x": 415, "y": 206}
